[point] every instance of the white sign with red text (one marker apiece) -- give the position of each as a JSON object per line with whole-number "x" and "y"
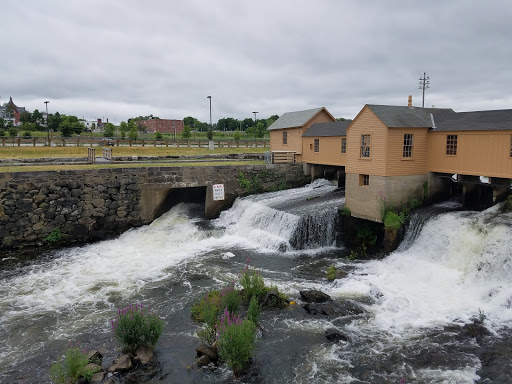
{"x": 218, "y": 192}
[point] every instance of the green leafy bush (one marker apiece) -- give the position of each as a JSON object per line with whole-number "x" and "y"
{"x": 54, "y": 237}
{"x": 230, "y": 298}
{"x": 70, "y": 367}
{"x": 207, "y": 311}
{"x": 393, "y": 220}
{"x": 345, "y": 211}
{"x": 236, "y": 339}
{"x": 252, "y": 284}
{"x": 136, "y": 325}
{"x": 253, "y": 313}
{"x": 331, "y": 273}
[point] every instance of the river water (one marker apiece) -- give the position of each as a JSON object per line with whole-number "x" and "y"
{"x": 452, "y": 268}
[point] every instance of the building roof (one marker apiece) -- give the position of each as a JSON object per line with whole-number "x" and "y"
{"x": 294, "y": 119}
{"x": 474, "y": 121}
{"x": 407, "y": 117}
{"x": 334, "y": 128}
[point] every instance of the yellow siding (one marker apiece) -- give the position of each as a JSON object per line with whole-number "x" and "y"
{"x": 396, "y": 164}
{"x": 479, "y": 153}
{"x": 294, "y": 140}
{"x": 367, "y": 122}
{"x": 329, "y": 151}
{"x": 295, "y": 134}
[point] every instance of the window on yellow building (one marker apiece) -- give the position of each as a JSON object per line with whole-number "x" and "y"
{"x": 343, "y": 145}
{"x": 365, "y": 145}
{"x": 285, "y": 137}
{"x": 451, "y": 145}
{"x": 317, "y": 145}
{"x": 408, "y": 141}
{"x": 364, "y": 180}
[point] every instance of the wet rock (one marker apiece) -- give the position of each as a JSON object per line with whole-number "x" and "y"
{"x": 333, "y": 334}
{"x": 124, "y": 363}
{"x": 203, "y": 361}
{"x": 98, "y": 377}
{"x": 274, "y": 300}
{"x": 144, "y": 354}
{"x": 475, "y": 329}
{"x": 204, "y": 350}
{"x": 314, "y": 296}
{"x": 343, "y": 308}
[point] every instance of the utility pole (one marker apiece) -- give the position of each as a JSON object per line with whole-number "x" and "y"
{"x": 424, "y": 84}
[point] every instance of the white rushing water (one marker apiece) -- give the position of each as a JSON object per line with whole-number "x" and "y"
{"x": 460, "y": 267}
{"x": 457, "y": 267}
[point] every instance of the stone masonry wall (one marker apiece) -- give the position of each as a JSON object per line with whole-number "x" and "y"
{"x": 89, "y": 205}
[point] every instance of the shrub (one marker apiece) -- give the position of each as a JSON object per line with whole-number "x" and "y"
{"x": 54, "y": 237}
{"x": 252, "y": 284}
{"x": 207, "y": 311}
{"x": 393, "y": 220}
{"x": 236, "y": 338}
{"x": 70, "y": 367}
{"x": 135, "y": 325}
{"x": 345, "y": 211}
{"x": 253, "y": 313}
{"x": 331, "y": 273}
{"x": 158, "y": 136}
{"x": 230, "y": 298}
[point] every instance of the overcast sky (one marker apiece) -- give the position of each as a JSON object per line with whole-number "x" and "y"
{"x": 123, "y": 58}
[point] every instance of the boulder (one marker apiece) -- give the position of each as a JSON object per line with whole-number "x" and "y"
{"x": 314, "y": 296}
{"x": 98, "y": 377}
{"x": 334, "y": 334}
{"x": 274, "y": 300}
{"x": 204, "y": 350}
{"x": 122, "y": 364}
{"x": 143, "y": 353}
{"x": 343, "y": 308}
{"x": 203, "y": 361}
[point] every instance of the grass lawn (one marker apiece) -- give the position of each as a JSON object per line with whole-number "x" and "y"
{"x": 38, "y": 168}
{"x": 36, "y": 152}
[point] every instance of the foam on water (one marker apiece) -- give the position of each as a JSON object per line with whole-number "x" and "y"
{"x": 458, "y": 268}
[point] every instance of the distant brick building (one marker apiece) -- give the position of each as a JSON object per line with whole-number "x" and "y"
{"x": 11, "y": 112}
{"x": 163, "y": 126}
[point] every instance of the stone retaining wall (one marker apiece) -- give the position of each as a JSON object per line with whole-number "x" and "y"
{"x": 88, "y": 205}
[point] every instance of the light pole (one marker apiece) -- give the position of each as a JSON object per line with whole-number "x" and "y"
{"x": 47, "y": 127}
{"x": 255, "y": 116}
{"x": 211, "y": 127}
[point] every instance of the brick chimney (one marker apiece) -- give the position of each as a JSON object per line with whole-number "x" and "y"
{"x": 409, "y": 102}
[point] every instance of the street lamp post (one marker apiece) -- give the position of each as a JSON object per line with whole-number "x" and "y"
{"x": 211, "y": 127}
{"x": 47, "y": 127}
{"x": 255, "y": 116}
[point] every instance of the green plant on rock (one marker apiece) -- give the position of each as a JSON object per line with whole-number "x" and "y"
{"x": 137, "y": 325}
{"x": 207, "y": 311}
{"x": 345, "y": 211}
{"x": 331, "y": 273}
{"x": 230, "y": 298}
{"x": 71, "y": 366}
{"x": 236, "y": 339}
{"x": 252, "y": 284}
{"x": 253, "y": 313}
{"x": 393, "y": 220}
{"x": 54, "y": 237}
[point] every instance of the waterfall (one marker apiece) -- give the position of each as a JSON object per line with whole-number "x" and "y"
{"x": 304, "y": 218}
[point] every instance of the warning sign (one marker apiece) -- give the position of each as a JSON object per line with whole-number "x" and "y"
{"x": 218, "y": 191}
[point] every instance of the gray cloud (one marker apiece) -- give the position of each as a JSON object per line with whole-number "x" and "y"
{"x": 119, "y": 59}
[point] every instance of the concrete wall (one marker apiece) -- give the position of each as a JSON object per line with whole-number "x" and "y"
{"x": 368, "y": 201}
{"x": 94, "y": 204}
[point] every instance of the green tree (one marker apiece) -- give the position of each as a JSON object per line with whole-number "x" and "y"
{"x": 190, "y": 121}
{"x": 2, "y": 123}
{"x": 109, "y": 130}
{"x": 158, "y": 135}
{"x": 236, "y": 135}
{"x": 12, "y": 131}
{"x": 37, "y": 118}
{"x": 54, "y": 121}
{"x": 123, "y": 129}
{"x": 187, "y": 132}
{"x": 26, "y": 117}
{"x": 133, "y": 134}
{"x": 28, "y": 126}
